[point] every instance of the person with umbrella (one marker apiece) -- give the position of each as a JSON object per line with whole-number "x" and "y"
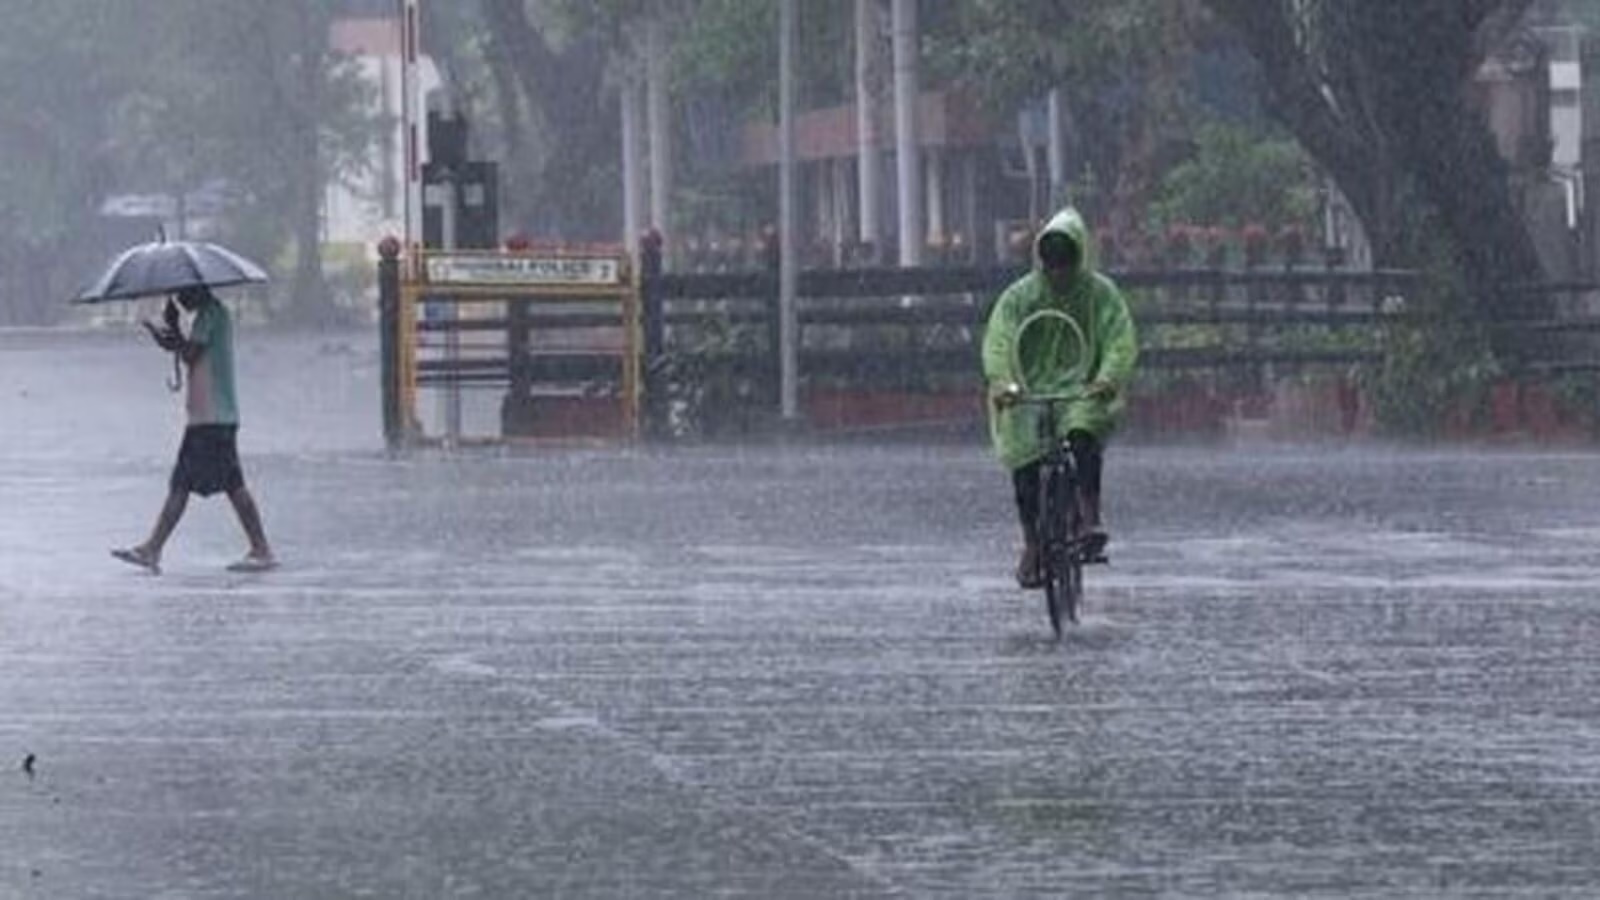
{"x": 208, "y": 459}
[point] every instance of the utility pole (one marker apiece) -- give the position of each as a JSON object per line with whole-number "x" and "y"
{"x": 788, "y": 320}
{"x": 632, "y": 174}
{"x": 449, "y": 193}
{"x": 1589, "y": 159}
{"x": 656, "y": 101}
{"x": 869, "y": 162}
{"x": 410, "y": 119}
{"x": 1055, "y": 150}
{"x": 908, "y": 162}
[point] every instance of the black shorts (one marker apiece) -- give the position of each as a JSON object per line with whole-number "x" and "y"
{"x": 208, "y": 461}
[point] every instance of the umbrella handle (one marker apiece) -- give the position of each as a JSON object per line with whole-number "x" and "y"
{"x": 175, "y": 384}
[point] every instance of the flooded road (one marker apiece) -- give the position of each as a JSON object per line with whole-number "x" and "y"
{"x": 794, "y": 671}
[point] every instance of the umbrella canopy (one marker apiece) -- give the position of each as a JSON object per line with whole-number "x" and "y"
{"x": 165, "y": 267}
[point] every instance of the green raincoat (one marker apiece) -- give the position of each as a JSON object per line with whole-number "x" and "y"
{"x": 1094, "y": 303}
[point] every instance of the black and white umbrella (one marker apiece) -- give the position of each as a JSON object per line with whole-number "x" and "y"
{"x": 166, "y": 267}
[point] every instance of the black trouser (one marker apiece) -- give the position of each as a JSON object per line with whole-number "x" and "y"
{"x": 1087, "y": 454}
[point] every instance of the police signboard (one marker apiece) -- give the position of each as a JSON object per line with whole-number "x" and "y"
{"x": 555, "y": 271}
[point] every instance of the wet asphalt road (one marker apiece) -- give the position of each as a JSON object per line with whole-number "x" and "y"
{"x": 784, "y": 671}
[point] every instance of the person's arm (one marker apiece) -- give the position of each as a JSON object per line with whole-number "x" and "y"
{"x": 1119, "y": 341}
{"x": 191, "y": 348}
{"x": 999, "y": 337}
{"x": 166, "y": 338}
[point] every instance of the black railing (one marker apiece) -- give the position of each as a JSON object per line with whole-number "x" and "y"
{"x": 920, "y": 329}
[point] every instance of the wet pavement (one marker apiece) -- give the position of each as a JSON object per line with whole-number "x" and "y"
{"x": 782, "y": 671}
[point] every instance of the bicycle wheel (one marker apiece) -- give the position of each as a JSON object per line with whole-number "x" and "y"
{"x": 1055, "y": 556}
{"x": 1058, "y": 598}
{"x": 1072, "y": 564}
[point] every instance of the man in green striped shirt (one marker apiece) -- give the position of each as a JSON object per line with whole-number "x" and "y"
{"x": 208, "y": 460}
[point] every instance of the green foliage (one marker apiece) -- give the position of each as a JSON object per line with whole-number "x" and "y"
{"x": 1430, "y": 373}
{"x": 64, "y": 64}
{"x": 1013, "y": 50}
{"x": 731, "y": 47}
{"x": 1578, "y": 394}
{"x": 1438, "y": 365}
{"x": 1582, "y": 12}
{"x": 52, "y": 112}
{"x": 1235, "y": 177}
{"x": 710, "y": 392}
{"x": 280, "y": 114}
{"x": 107, "y": 98}
{"x": 730, "y": 42}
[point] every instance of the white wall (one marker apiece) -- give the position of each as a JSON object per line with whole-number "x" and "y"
{"x": 354, "y": 214}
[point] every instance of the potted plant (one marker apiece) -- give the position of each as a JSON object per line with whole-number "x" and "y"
{"x": 1254, "y": 238}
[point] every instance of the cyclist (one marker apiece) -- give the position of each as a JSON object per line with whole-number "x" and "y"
{"x": 1063, "y": 278}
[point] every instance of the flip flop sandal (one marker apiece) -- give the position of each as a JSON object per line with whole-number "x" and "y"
{"x": 1030, "y": 578}
{"x": 136, "y": 557}
{"x": 254, "y": 564}
{"x": 1093, "y": 547}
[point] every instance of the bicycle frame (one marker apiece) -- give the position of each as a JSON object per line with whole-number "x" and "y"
{"x": 1060, "y": 522}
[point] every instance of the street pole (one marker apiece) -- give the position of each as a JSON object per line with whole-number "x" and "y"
{"x": 658, "y": 112}
{"x": 869, "y": 167}
{"x": 452, "y": 313}
{"x": 410, "y": 129}
{"x": 1589, "y": 160}
{"x": 1055, "y": 150}
{"x": 788, "y": 320}
{"x": 632, "y": 174}
{"x": 908, "y": 164}
{"x": 452, "y": 340}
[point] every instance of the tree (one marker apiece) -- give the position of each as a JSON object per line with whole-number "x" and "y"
{"x": 1237, "y": 178}
{"x": 110, "y": 98}
{"x": 553, "y": 65}
{"x": 1121, "y": 67}
{"x": 65, "y": 70}
{"x": 566, "y": 143}
{"x": 1376, "y": 93}
{"x": 286, "y": 115}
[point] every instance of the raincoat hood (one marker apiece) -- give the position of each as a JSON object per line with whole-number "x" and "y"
{"x": 1071, "y": 224}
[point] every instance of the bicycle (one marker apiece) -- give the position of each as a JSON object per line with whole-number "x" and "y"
{"x": 1065, "y": 545}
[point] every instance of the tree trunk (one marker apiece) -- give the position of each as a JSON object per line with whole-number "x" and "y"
{"x": 1376, "y": 92}
{"x": 1444, "y": 144}
{"x": 564, "y": 91}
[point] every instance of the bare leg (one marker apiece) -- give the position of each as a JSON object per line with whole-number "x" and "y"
{"x": 250, "y": 518}
{"x": 148, "y": 554}
{"x": 1089, "y": 506}
{"x": 171, "y": 513}
{"x": 1025, "y": 481}
{"x": 1089, "y": 454}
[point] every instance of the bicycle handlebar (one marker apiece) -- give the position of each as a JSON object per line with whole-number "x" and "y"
{"x": 1049, "y": 397}
{"x": 1022, "y": 397}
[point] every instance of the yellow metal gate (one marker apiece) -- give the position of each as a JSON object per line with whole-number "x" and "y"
{"x": 535, "y": 345}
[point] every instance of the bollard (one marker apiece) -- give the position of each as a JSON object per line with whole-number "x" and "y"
{"x": 389, "y": 339}
{"x": 770, "y": 261}
{"x": 654, "y": 327}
